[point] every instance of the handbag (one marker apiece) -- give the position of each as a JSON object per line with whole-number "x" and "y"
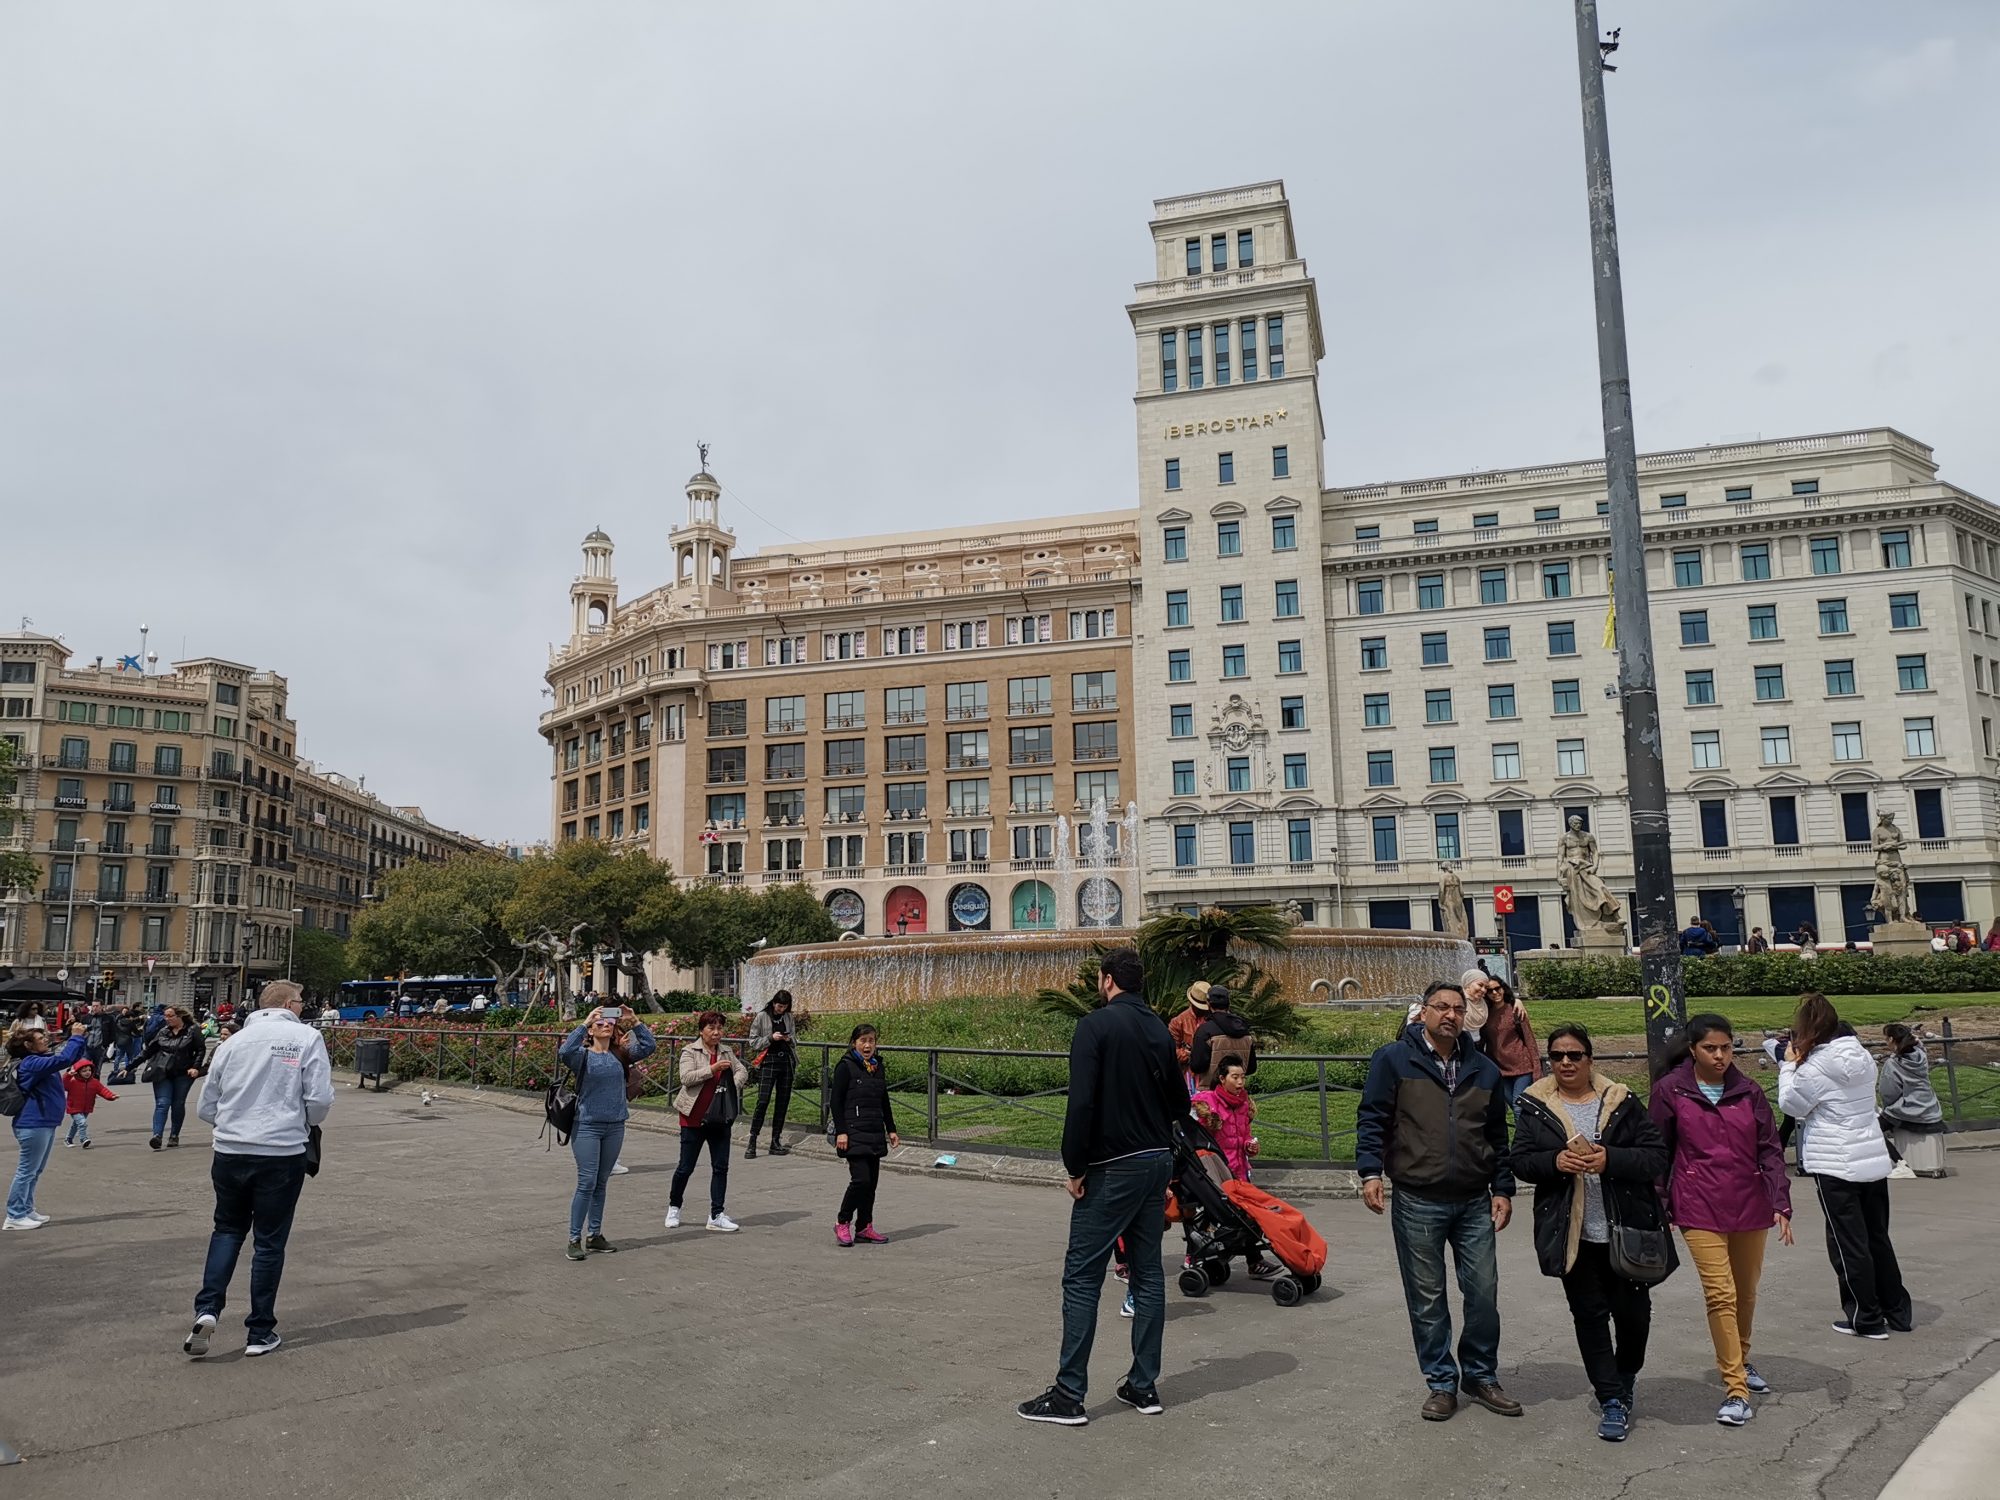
{"x": 312, "y": 1151}
{"x": 1645, "y": 1256}
{"x": 725, "y": 1105}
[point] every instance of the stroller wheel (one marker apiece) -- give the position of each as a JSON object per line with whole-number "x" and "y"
{"x": 1193, "y": 1282}
{"x": 1312, "y": 1283}
{"x": 1216, "y": 1270}
{"x": 1287, "y": 1292}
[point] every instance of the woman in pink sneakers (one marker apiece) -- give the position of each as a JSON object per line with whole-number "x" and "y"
{"x": 864, "y": 1128}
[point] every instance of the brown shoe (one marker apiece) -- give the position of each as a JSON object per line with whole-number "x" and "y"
{"x": 1439, "y": 1406}
{"x": 1489, "y": 1395}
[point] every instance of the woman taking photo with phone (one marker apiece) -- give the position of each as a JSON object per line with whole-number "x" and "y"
{"x": 711, "y": 1097}
{"x": 1726, "y": 1190}
{"x": 864, "y": 1125}
{"x": 173, "y": 1060}
{"x": 1592, "y": 1152}
{"x": 1826, "y": 1081}
{"x": 600, "y": 1052}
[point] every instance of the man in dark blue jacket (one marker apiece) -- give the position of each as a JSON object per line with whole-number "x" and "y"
{"x": 1433, "y": 1121}
{"x": 1125, "y": 1092}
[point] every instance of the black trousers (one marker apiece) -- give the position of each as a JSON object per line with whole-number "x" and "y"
{"x": 1864, "y": 1262}
{"x": 774, "y": 1077}
{"x": 857, "y": 1204}
{"x": 693, "y": 1138}
{"x": 1601, "y": 1302}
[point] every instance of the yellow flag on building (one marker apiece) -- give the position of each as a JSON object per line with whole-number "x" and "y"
{"x": 1610, "y": 611}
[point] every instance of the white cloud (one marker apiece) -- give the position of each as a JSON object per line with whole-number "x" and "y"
{"x": 1911, "y": 75}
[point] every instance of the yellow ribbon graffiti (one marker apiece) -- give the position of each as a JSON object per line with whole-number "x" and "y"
{"x": 1659, "y": 1002}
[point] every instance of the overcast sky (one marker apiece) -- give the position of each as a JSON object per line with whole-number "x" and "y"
{"x": 327, "y": 330}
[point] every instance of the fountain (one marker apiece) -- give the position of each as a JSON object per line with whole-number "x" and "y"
{"x": 1357, "y": 965}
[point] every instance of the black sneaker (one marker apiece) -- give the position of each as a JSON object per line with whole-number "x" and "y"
{"x": 750, "y": 1152}
{"x": 779, "y": 1148}
{"x": 195, "y": 1345}
{"x": 262, "y": 1343}
{"x": 1880, "y": 1335}
{"x": 1146, "y": 1401}
{"x": 1054, "y": 1405}
{"x": 597, "y": 1244}
{"x": 154, "y": 1142}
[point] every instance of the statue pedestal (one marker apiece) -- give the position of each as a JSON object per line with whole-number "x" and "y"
{"x": 1604, "y": 942}
{"x": 1899, "y": 939}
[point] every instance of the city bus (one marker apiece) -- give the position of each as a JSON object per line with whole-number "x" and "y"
{"x": 384, "y": 999}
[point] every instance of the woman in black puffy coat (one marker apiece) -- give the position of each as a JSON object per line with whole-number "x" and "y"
{"x": 864, "y": 1128}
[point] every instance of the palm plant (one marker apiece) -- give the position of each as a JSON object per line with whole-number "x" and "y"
{"x": 1178, "y": 950}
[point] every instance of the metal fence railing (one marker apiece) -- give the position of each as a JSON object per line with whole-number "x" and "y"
{"x": 1014, "y": 1101}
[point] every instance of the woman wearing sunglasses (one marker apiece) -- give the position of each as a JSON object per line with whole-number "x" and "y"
{"x": 1592, "y": 1152}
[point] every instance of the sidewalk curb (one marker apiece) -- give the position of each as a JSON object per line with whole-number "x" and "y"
{"x": 920, "y": 1160}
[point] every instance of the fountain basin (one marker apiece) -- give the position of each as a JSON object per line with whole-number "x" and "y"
{"x": 869, "y": 974}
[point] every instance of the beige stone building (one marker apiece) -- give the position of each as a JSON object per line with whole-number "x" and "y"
{"x": 164, "y": 809}
{"x": 920, "y": 727}
{"x": 1314, "y": 691}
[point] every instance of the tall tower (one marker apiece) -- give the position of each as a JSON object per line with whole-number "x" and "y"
{"x": 703, "y": 548}
{"x": 1234, "y": 734}
{"x": 593, "y": 595}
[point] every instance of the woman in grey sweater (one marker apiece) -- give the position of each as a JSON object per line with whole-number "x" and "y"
{"x": 599, "y": 1053}
{"x": 1903, "y": 1088}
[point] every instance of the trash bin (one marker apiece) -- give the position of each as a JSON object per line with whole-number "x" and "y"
{"x": 371, "y": 1060}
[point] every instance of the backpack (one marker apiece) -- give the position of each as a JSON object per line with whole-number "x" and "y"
{"x": 13, "y": 1098}
{"x": 559, "y": 1102}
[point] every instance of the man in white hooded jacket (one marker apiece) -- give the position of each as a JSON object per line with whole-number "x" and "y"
{"x": 1826, "y": 1081}
{"x": 268, "y": 1085}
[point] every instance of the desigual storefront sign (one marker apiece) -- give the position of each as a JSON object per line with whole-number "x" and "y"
{"x": 1226, "y": 424}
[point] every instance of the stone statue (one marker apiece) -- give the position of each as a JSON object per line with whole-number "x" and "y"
{"x": 1451, "y": 902}
{"x": 1891, "y": 896}
{"x": 1591, "y": 905}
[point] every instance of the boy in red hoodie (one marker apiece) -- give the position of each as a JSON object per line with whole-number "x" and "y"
{"x": 82, "y": 1090}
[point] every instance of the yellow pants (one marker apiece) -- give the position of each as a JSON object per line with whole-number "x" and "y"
{"x": 1729, "y": 1266}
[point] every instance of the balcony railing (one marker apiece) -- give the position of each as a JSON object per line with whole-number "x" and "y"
{"x": 847, "y": 721}
{"x": 1039, "y": 708}
{"x": 110, "y": 846}
{"x": 728, "y": 776}
{"x": 1032, "y": 758}
{"x": 784, "y": 726}
{"x": 906, "y": 716}
{"x": 1093, "y": 705}
{"x": 858, "y": 768}
{"x": 784, "y": 773}
{"x": 780, "y": 877}
{"x": 1032, "y": 864}
{"x": 980, "y": 810}
{"x": 967, "y": 762}
{"x": 124, "y": 806}
{"x": 905, "y": 872}
{"x": 967, "y": 867}
{"x": 1097, "y": 752}
{"x": 905, "y": 765}
{"x": 1031, "y": 809}
{"x": 727, "y": 731}
{"x": 967, "y": 715}
{"x": 156, "y": 898}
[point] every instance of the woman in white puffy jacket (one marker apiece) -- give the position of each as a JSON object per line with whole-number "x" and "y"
{"x": 1826, "y": 1081}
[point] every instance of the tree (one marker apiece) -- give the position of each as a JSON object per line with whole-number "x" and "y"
{"x": 595, "y": 900}
{"x": 791, "y": 914}
{"x": 721, "y": 925}
{"x": 320, "y": 961}
{"x": 441, "y": 918}
{"x": 1176, "y": 950}
{"x": 18, "y": 870}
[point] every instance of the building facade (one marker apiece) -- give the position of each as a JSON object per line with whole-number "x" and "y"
{"x": 347, "y": 838}
{"x": 1325, "y": 693}
{"x": 163, "y": 809}
{"x": 934, "y": 731}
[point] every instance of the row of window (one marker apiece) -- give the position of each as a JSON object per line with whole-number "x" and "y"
{"x": 1225, "y": 467}
{"x": 1229, "y": 538}
{"x": 1214, "y": 367}
{"x": 1544, "y": 514}
{"x": 1236, "y": 772}
{"x": 126, "y": 716}
{"x": 906, "y": 847}
{"x": 1090, "y": 692}
{"x": 1905, "y": 613}
{"x": 613, "y": 825}
{"x": 1229, "y": 605}
{"x": 965, "y": 750}
{"x": 1236, "y": 662}
{"x": 1180, "y": 717}
{"x": 968, "y": 797}
{"x": 154, "y": 933}
{"x": 1241, "y": 843}
{"x": 1371, "y": 594}
{"x": 1218, "y": 251}
{"x": 1913, "y": 675}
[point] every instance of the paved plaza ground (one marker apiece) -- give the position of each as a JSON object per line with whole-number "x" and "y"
{"x": 439, "y": 1346}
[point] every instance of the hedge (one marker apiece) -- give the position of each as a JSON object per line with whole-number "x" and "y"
{"x": 1771, "y": 974}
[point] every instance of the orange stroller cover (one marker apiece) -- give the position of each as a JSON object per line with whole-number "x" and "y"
{"x": 1293, "y": 1240}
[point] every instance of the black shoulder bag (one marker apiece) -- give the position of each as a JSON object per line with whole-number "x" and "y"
{"x": 1643, "y": 1255}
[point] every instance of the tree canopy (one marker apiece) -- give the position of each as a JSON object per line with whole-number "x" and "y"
{"x": 18, "y": 869}
{"x": 440, "y": 918}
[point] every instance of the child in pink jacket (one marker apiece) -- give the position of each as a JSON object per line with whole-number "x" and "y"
{"x": 1230, "y": 1113}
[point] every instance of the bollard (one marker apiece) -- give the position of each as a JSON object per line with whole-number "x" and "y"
{"x": 931, "y": 1115}
{"x": 1325, "y": 1137}
{"x": 1951, "y": 1071}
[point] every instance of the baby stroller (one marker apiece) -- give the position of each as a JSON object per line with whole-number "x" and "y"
{"x": 1225, "y": 1217}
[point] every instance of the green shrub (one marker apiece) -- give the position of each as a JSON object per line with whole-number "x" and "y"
{"x": 1771, "y": 974}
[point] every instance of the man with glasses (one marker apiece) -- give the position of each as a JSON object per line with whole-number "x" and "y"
{"x": 1433, "y": 1122}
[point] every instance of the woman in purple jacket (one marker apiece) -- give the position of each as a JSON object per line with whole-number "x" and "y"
{"x": 1726, "y": 1190}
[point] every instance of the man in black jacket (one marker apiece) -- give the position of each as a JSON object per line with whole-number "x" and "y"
{"x": 1125, "y": 1092}
{"x": 1433, "y": 1120}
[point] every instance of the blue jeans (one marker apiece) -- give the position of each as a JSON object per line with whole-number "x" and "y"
{"x": 79, "y": 1129}
{"x": 170, "y": 1094}
{"x": 596, "y": 1144}
{"x": 35, "y": 1142}
{"x": 254, "y": 1195}
{"x": 1423, "y": 1227}
{"x": 1122, "y": 1198}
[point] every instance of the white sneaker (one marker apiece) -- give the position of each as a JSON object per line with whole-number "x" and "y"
{"x": 39, "y": 1218}
{"x": 1902, "y": 1172}
{"x": 14, "y": 1223}
{"x": 619, "y": 1169}
{"x": 723, "y": 1224}
{"x": 195, "y": 1345}
{"x": 673, "y": 1218}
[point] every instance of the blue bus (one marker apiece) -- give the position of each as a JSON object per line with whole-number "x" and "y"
{"x": 387, "y": 999}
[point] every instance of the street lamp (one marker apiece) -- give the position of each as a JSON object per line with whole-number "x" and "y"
{"x": 76, "y": 849}
{"x": 292, "y": 938}
{"x": 243, "y": 979}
